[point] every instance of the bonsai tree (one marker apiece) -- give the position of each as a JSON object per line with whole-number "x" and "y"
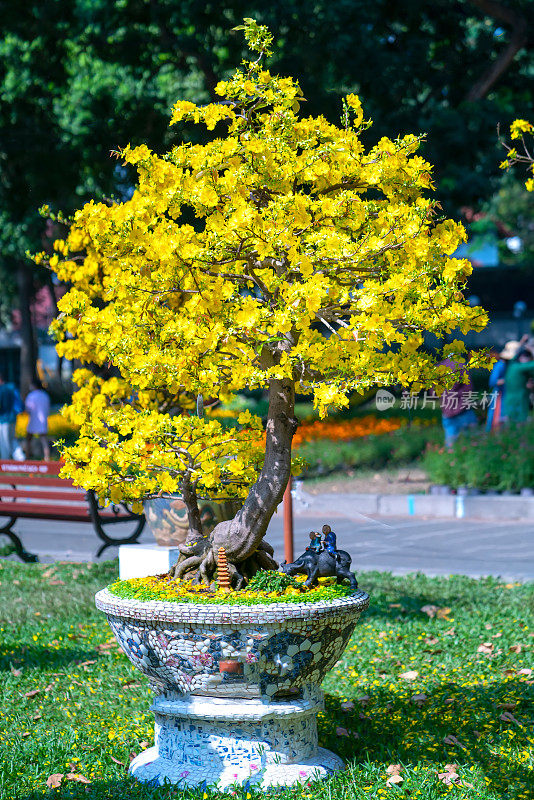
{"x": 277, "y": 254}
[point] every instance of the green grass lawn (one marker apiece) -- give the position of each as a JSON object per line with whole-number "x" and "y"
{"x": 412, "y": 690}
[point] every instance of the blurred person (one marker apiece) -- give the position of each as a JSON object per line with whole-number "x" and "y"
{"x": 38, "y": 408}
{"x": 10, "y": 406}
{"x": 497, "y": 382}
{"x": 457, "y": 413}
{"x": 516, "y": 406}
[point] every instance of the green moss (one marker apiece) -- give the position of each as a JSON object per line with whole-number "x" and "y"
{"x": 163, "y": 588}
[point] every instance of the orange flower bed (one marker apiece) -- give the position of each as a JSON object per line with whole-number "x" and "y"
{"x": 337, "y": 430}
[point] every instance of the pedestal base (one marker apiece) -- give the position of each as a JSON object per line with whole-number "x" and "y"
{"x": 149, "y": 767}
{"x": 142, "y": 560}
{"x": 223, "y": 743}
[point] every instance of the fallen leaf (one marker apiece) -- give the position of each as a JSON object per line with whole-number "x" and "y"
{"x": 419, "y": 699}
{"x": 116, "y": 760}
{"x": 143, "y": 744}
{"x": 15, "y": 672}
{"x": 49, "y": 687}
{"x": 106, "y": 646}
{"x": 429, "y": 610}
{"x": 450, "y": 632}
{"x": 75, "y": 776}
{"x": 452, "y": 740}
{"x": 364, "y": 700}
{"x": 342, "y": 732}
{"x": 54, "y": 781}
{"x": 507, "y": 717}
{"x": 515, "y": 648}
{"x": 348, "y": 705}
{"x": 48, "y": 572}
{"x": 25, "y": 734}
{"x": 37, "y": 716}
{"x": 506, "y": 706}
{"x": 411, "y": 675}
{"x": 32, "y": 693}
{"x": 56, "y": 583}
{"x": 509, "y": 672}
{"x": 488, "y": 626}
{"x": 85, "y": 664}
{"x": 496, "y": 635}
{"x": 395, "y": 778}
{"x": 525, "y": 671}
{"x": 486, "y": 648}
{"x": 16, "y": 582}
{"x": 443, "y": 613}
{"x": 449, "y": 775}
{"x": 395, "y": 605}
{"x": 132, "y": 756}
{"x": 382, "y": 635}
{"x": 431, "y": 640}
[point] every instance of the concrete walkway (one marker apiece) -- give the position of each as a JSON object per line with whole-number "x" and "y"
{"x": 399, "y": 544}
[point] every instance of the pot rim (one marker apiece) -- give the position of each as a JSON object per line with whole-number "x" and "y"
{"x": 205, "y": 613}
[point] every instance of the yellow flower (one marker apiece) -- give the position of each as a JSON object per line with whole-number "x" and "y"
{"x": 519, "y": 127}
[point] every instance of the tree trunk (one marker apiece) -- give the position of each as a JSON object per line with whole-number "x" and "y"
{"x": 28, "y": 349}
{"x": 518, "y": 39}
{"x": 242, "y": 536}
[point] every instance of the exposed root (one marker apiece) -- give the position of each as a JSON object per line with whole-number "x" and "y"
{"x": 265, "y": 561}
{"x": 249, "y": 567}
{"x": 236, "y": 578}
{"x": 206, "y": 569}
{"x": 263, "y": 545}
{"x": 198, "y": 561}
{"x": 186, "y": 565}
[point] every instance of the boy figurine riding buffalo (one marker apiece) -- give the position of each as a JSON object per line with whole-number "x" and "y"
{"x": 322, "y": 560}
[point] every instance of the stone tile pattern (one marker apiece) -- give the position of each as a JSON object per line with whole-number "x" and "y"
{"x": 238, "y": 688}
{"x": 249, "y": 651}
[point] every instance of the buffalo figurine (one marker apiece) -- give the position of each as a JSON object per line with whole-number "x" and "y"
{"x": 322, "y": 565}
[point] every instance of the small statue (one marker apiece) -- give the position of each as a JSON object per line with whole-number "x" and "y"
{"x": 327, "y": 561}
{"x": 330, "y": 543}
{"x": 315, "y": 542}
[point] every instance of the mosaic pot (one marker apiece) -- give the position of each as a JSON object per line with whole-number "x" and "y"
{"x": 166, "y": 517}
{"x": 237, "y": 687}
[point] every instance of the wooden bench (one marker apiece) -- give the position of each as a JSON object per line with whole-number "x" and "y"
{"x": 34, "y": 490}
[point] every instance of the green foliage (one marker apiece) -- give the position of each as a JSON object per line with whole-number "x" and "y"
{"x": 369, "y": 452}
{"x": 510, "y": 210}
{"x": 172, "y": 591}
{"x": 79, "y": 80}
{"x": 91, "y": 710}
{"x": 270, "y": 581}
{"x": 503, "y": 460}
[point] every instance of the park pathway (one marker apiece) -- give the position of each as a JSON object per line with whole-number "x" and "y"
{"x": 500, "y": 548}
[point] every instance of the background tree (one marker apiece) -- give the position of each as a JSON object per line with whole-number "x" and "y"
{"x": 223, "y": 272}
{"x": 78, "y": 80}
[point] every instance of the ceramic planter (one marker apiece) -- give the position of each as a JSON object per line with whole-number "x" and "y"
{"x": 237, "y": 687}
{"x": 166, "y": 517}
